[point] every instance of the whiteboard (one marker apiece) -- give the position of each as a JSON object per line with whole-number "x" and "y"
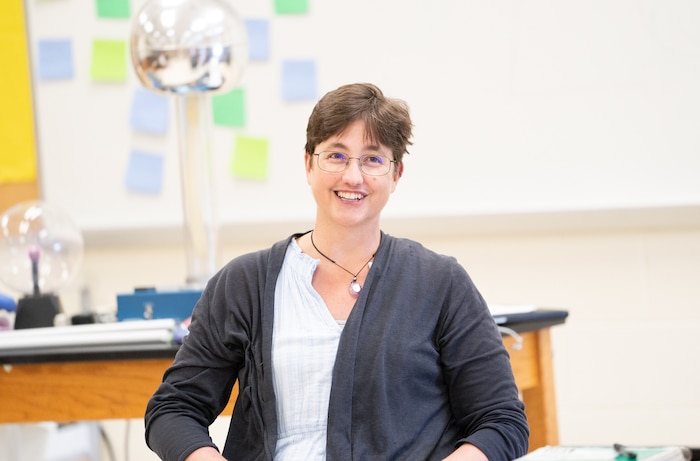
{"x": 519, "y": 107}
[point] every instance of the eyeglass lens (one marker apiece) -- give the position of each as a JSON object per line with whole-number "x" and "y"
{"x": 371, "y": 164}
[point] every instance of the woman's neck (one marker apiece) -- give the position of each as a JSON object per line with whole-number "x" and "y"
{"x": 346, "y": 244}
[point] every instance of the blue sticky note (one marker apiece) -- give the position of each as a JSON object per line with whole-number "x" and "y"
{"x": 55, "y": 59}
{"x": 299, "y": 80}
{"x": 258, "y": 39}
{"x": 149, "y": 112}
{"x": 144, "y": 172}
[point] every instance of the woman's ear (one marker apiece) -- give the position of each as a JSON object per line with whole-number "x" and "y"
{"x": 307, "y": 165}
{"x": 399, "y": 171}
{"x": 397, "y": 175}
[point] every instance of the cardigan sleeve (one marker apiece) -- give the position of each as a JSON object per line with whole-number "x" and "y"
{"x": 198, "y": 384}
{"x": 482, "y": 389}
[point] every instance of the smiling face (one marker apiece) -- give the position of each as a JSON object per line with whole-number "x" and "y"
{"x": 350, "y": 197}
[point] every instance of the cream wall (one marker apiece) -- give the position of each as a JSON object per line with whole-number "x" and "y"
{"x": 625, "y": 361}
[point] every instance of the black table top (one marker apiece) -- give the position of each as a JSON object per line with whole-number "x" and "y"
{"x": 518, "y": 322}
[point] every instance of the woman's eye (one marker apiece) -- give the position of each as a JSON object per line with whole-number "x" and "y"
{"x": 374, "y": 159}
{"x": 339, "y": 156}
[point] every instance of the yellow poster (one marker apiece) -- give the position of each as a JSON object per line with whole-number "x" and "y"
{"x": 17, "y": 146}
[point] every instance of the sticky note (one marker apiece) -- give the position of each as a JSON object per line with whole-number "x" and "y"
{"x": 299, "y": 80}
{"x": 258, "y": 39}
{"x": 250, "y": 158}
{"x": 108, "y": 60}
{"x": 149, "y": 112}
{"x": 55, "y": 59}
{"x": 113, "y": 9}
{"x": 291, "y": 6}
{"x": 229, "y": 108}
{"x": 144, "y": 173}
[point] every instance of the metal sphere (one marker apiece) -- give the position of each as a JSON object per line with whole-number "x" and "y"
{"x": 182, "y": 46}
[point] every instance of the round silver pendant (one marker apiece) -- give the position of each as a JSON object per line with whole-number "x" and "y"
{"x": 355, "y": 288}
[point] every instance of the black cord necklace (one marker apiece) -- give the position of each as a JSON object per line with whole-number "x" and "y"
{"x": 355, "y": 286}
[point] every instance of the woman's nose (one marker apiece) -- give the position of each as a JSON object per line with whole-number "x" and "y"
{"x": 352, "y": 173}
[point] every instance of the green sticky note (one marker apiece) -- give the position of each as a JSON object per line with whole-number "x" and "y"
{"x": 291, "y": 6}
{"x": 113, "y": 9}
{"x": 250, "y": 158}
{"x": 108, "y": 60}
{"x": 229, "y": 108}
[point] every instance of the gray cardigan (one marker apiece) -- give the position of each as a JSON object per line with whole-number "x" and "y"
{"x": 420, "y": 366}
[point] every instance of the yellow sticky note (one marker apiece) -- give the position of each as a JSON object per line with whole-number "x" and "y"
{"x": 109, "y": 60}
{"x": 17, "y": 146}
{"x": 250, "y": 158}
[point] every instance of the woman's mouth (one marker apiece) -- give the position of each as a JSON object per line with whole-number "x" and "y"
{"x": 350, "y": 195}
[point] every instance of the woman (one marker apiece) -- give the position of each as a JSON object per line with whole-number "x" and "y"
{"x": 347, "y": 343}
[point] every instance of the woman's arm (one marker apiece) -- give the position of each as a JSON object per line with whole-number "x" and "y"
{"x": 484, "y": 396}
{"x": 465, "y": 452}
{"x": 197, "y": 386}
{"x": 205, "y": 454}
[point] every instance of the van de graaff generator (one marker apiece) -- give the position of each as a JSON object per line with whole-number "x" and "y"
{"x": 190, "y": 49}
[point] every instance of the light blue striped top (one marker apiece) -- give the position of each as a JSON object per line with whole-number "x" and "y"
{"x": 304, "y": 345}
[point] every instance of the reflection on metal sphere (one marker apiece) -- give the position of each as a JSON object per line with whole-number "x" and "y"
{"x": 181, "y": 46}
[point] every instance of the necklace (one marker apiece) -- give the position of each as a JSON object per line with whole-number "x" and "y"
{"x": 355, "y": 286}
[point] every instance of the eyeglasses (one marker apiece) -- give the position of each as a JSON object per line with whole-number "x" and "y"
{"x": 337, "y": 162}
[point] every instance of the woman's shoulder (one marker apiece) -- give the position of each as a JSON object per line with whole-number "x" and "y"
{"x": 408, "y": 248}
{"x": 260, "y": 259}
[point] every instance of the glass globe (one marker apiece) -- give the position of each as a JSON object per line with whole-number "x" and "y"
{"x": 40, "y": 248}
{"x": 180, "y": 46}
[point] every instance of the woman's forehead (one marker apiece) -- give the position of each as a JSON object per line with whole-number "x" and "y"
{"x": 355, "y": 130}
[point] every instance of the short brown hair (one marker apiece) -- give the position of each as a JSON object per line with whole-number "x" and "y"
{"x": 387, "y": 120}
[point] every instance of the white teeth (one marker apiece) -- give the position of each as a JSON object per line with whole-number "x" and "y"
{"x": 350, "y": 196}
